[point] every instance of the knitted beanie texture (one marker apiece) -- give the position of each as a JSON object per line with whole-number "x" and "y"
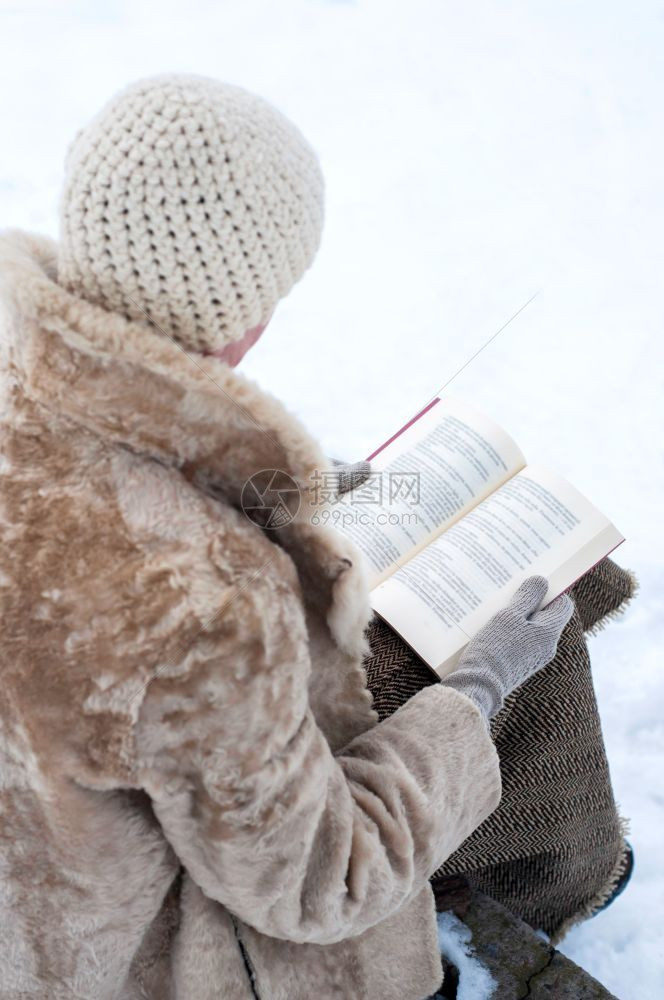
{"x": 191, "y": 205}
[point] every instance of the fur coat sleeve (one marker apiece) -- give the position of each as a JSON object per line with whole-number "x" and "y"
{"x": 299, "y": 842}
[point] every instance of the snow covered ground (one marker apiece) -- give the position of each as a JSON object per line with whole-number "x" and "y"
{"x": 474, "y": 154}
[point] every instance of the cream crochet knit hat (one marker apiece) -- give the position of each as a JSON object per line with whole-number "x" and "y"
{"x": 192, "y": 205}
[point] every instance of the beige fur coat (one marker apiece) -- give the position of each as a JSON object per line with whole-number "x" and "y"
{"x": 196, "y": 800}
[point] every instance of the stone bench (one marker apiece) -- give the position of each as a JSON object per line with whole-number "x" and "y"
{"x": 521, "y": 962}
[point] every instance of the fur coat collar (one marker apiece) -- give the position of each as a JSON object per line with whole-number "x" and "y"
{"x": 131, "y": 385}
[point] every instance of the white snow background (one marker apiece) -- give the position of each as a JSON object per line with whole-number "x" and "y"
{"x": 474, "y": 153}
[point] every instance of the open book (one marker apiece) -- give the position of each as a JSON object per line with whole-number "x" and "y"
{"x": 453, "y": 519}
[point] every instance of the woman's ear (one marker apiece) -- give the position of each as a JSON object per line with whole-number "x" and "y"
{"x": 231, "y": 354}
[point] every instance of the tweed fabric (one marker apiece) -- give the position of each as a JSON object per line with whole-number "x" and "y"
{"x": 553, "y": 849}
{"x": 190, "y": 204}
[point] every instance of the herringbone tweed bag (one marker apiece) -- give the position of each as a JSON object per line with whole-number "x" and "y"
{"x": 554, "y": 848}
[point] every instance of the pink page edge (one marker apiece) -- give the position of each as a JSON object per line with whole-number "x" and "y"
{"x": 404, "y": 428}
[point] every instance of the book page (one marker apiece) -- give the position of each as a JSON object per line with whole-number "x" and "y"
{"x": 536, "y": 523}
{"x": 432, "y": 474}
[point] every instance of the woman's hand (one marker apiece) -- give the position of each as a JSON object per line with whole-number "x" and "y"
{"x": 516, "y": 643}
{"x": 350, "y": 474}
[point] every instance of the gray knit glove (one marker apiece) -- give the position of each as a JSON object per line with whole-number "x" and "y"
{"x": 511, "y": 647}
{"x": 351, "y": 474}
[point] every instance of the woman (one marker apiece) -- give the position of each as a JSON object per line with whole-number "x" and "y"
{"x": 197, "y": 797}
